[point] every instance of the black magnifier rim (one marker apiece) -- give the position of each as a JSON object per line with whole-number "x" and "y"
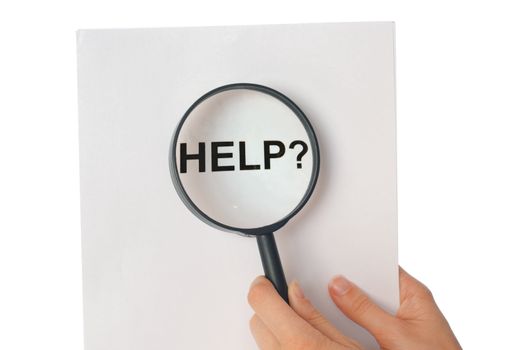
{"x": 314, "y": 149}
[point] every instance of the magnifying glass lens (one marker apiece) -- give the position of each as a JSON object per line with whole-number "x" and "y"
{"x": 244, "y": 158}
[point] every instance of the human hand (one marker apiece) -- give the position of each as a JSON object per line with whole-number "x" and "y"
{"x": 418, "y": 324}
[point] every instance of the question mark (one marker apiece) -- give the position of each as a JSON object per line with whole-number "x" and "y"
{"x": 302, "y": 152}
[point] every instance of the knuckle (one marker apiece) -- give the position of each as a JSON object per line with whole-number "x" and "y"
{"x": 315, "y": 318}
{"x": 425, "y": 292}
{"x": 360, "y": 304}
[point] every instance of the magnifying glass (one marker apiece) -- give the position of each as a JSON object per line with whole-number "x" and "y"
{"x": 245, "y": 159}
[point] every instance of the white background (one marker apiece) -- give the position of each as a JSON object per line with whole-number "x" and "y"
{"x": 462, "y": 124}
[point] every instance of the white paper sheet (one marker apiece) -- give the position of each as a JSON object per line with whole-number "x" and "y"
{"x": 156, "y": 277}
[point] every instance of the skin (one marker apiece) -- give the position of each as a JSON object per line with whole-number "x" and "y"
{"x": 418, "y": 324}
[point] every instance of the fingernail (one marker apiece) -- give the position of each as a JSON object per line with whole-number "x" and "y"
{"x": 298, "y": 290}
{"x": 339, "y": 285}
{"x": 256, "y": 281}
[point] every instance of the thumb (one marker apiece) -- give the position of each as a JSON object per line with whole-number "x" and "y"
{"x": 358, "y": 307}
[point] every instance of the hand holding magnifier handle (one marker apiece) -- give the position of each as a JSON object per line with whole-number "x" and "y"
{"x": 271, "y": 264}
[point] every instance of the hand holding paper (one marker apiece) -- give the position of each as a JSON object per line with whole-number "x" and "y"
{"x": 417, "y": 325}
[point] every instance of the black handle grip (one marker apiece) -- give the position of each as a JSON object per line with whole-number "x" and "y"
{"x": 271, "y": 264}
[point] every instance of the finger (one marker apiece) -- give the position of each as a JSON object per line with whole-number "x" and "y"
{"x": 357, "y": 306}
{"x": 274, "y": 312}
{"x": 262, "y": 335}
{"x": 410, "y": 286}
{"x": 417, "y": 301}
{"x": 308, "y": 312}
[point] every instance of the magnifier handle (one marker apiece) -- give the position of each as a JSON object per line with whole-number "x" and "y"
{"x": 271, "y": 263}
